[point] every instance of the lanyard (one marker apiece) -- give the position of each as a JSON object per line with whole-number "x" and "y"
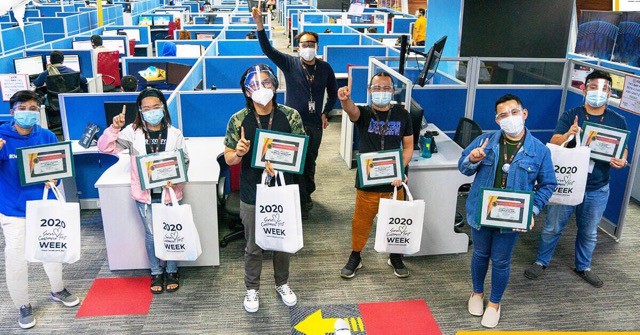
{"x": 507, "y": 161}
{"x": 270, "y": 120}
{"x": 310, "y": 78}
{"x": 150, "y": 146}
{"x": 586, "y": 115}
{"x": 384, "y": 128}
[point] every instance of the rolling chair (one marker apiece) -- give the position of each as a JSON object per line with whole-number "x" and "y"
{"x": 466, "y": 132}
{"x": 229, "y": 203}
{"x": 108, "y": 66}
{"x": 56, "y": 84}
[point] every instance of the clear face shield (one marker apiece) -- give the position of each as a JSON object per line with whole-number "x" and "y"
{"x": 259, "y": 78}
{"x": 597, "y": 92}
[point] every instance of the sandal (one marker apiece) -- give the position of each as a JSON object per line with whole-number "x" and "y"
{"x": 157, "y": 281}
{"x": 172, "y": 279}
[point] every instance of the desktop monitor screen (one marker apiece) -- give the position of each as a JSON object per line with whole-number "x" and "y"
{"x": 82, "y": 45}
{"x": 432, "y": 61}
{"x": 176, "y": 72}
{"x": 115, "y": 45}
{"x": 29, "y": 65}
{"x": 113, "y": 108}
{"x": 200, "y": 36}
{"x": 110, "y": 33}
{"x": 70, "y": 61}
{"x": 145, "y": 20}
{"x": 132, "y": 34}
{"x": 189, "y": 50}
{"x": 162, "y": 20}
{"x": 148, "y": 72}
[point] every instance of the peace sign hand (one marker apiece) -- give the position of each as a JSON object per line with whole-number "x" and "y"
{"x": 478, "y": 154}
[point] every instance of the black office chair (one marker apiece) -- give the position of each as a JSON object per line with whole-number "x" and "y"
{"x": 229, "y": 204}
{"x": 56, "y": 84}
{"x": 466, "y": 132}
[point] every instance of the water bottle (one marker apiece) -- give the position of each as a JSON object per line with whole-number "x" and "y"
{"x": 425, "y": 146}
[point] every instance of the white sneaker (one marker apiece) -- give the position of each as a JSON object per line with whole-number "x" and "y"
{"x": 491, "y": 317}
{"x": 288, "y": 297}
{"x": 476, "y": 304}
{"x": 251, "y": 301}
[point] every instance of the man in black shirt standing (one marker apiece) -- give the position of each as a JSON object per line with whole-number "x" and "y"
{"x": 307, "y": 79}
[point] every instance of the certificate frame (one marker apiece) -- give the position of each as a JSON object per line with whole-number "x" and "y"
{"x": 390, "y": 167}
{"x": 515, "y": 211}
{"x": 605, "y": 142}
{"x": 289, "y": 154}
{"x": 172, "y": 168}
{"x": 40, "y": 163}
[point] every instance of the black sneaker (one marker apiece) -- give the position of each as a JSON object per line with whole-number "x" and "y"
{"x": 26, "y": 319}
{"x": 395, "y": 261}
{"x": 534, "y": 271}
{"x": 353, "y": 264}
{"x": 589, "y": 277}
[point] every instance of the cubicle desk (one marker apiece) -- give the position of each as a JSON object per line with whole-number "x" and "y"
{"x": 123, "y": 230}
{"x": 436, "y": 180}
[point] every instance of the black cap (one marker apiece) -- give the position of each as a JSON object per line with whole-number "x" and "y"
{"x": 151, "y": 92}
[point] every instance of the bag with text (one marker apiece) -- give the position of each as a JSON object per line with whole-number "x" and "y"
{"x": 572, "y": 167}
{"x": 175, "y": 236}
{"x": 52, "y": 229}
{"x": 278, "y": 216}
{"x": 399, "y": 226}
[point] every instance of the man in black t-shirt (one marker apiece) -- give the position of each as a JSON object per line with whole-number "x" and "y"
{"x": 380, "y": 127}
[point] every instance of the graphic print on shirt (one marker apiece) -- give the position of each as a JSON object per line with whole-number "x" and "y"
{"x": 376, "y": 127}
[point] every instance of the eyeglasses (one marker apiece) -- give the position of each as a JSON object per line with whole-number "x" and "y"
{"x": 515, "y": 111}
{"x": 254, "y": 86}
{"x": 308, "y": 44}
{"x": 27, "y": 109}
{"x": 148, "y": 108}
{"x": 378, "y": 88}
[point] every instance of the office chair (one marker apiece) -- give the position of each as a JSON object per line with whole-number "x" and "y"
{"x": 56, "y": 84}
{"x": 108, "y": 66}
{"x": 466, "y": 132}
{"x": 229, "y": 203}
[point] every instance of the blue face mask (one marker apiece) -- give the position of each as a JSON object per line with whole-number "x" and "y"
{"x": 154, "y": 116}
{"x": 381, "y": 98}
{"x": 596, "y": 98}
{"x": 26, "y": 119}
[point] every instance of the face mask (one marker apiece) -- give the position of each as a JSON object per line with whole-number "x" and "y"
{"x": 308, "y": 54}
{"x": 596, "y": 98}
{"x": 262, "y": 96}
{"x": 512, "y": 125}
{"x": 381, "y": 98}
{"x": 154, "y": 116}
{"x": 26, "y": 119}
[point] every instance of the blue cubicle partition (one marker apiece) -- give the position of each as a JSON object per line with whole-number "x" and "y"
{"x": 225, "y": 71}
{"x": 50, "y": 10}
{"x": 93, "y": 16}
{"x": 12, "y": 38}
{"x": 442, "y": 106}
{"x": 212, "y": 50}
{"x": 104, "y": 38}
{"x": 402, "y": 25}
{"x": 144, "y": 31}
{"x": 34, "y": 34}
{"x": 359, "y": 82}
{"x": 130, "y": 60}
{"x": 238, "y": 48}
{"x": 160, "y": 44}
{"x": 336, "y": 39}
{"x": 86, "y": 61}
{"x": 339, "y": 56}
{"x": 238, "y": 34}
{"x": 203, "y": 20}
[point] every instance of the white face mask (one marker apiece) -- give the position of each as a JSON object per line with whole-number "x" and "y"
{"x": 262, "y": 96}
{"x": 308, "y": 54}
{"x": 512, "y": 125}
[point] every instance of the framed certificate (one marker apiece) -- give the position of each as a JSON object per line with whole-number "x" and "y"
{"x": 506, "y": 208}
{"x": 286, "y": 152}
{"x": 155, "y": 170}
{"x": 380, "y": 167}
{"x": 40, "y": 163}
{"x": 605, "y": 142}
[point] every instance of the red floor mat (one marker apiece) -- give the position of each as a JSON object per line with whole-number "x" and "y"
{"x": 398, "y": 317}
{"x": 117, "y": 296}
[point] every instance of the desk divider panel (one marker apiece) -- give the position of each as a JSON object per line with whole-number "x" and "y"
{"x": 51, "y": 25}
{"x": 359, "y": 82}
{"x": 86, "y": 61}
{"x": 339, "y": 56}
{"x": 160, "y": 44}
{"x": 402, "y": 25}
{"x": 239, "y": 48}
{"x": 442, "y": 106}
{"x": 34, "y": 34}
{"x": 12, "y": 39}
{"x": 225, "y": 71}
{"x": 336, "y": 39}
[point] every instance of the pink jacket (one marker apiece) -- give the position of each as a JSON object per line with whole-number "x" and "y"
{"x": 114, "y": 141}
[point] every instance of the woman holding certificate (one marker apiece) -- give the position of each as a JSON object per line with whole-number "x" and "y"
{"x": 151, "y": 132}
{"x": 259, "y": 85}
{"x": 507, "y": 165}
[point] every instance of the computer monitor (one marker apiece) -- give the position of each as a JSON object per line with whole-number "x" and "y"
{"x": 162, "y": 20}
{"x": 113, "y": 108}
{"x": 201, "y": 36}
{"x": 82, "y": 45}
{"x": 32, "y": 65}
{"x": 176, "y": 73}
{"x": 110, "y": 33}
{"x": 70, "y": 61}
{"x": 189, "y": 50}
{"x": 148, "y": 72}
{"x": 432, "y": 61}
{"x": 118, "y": 44}
{"x": 145, "y": 20}
{"x": 132, "y": 34}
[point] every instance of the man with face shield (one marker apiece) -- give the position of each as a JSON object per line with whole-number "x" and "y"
{"x": 259, "y": 85}
{"x": 510, "y": 159}
{"x": 307, "y": 79}
{"x": 380, "y": 126}
{"x": 23, "y": 131}
{"x": 589, "y": 213}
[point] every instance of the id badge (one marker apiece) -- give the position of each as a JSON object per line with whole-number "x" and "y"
{"x": 312, "y": 107}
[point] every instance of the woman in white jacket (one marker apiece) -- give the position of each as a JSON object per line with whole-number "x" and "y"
{"x": 151, "y": 132}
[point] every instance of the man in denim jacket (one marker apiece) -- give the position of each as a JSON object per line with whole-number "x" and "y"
{"x": 511, "y": 159}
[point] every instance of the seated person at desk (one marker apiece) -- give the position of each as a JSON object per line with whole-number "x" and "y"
{"x": 150, "y": 132}
{"x": 129, "y": 84}
{"x": 207, "y": 9}
{"x": 57, "y": 58}
{"x": 169, "y": 49}
{"x": 251, "y": 36}
{"x": 96, "y": 43}
{"x": 184, "y": 35}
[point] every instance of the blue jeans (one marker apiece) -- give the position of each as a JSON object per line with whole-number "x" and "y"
{"x": 588, "y": 216}
{"x": 490, "y": 243}
{"x": 156, "y": 263}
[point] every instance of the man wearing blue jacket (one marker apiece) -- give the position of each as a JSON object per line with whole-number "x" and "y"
{"x": 23, "y": 131}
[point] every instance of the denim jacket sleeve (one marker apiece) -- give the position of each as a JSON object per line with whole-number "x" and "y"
{"x": 545, "y": 182}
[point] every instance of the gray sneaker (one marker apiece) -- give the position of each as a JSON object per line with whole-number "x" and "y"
{"x": 353, "y": 264}
{"x": 26, "y": 319}
{"x": 399, "y": 269}
{"x": 589, "y": 277}
{"x": 534, "y": 271}
{"x": 65, "y": 297}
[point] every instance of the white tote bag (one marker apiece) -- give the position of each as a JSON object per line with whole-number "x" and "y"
{"x": 399, "y": 227}
{"x": 52, "y": 229}
{"x": 175, "y": 236}
{"x": 572, "y": 167}
{"x": 278, "y": 216}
